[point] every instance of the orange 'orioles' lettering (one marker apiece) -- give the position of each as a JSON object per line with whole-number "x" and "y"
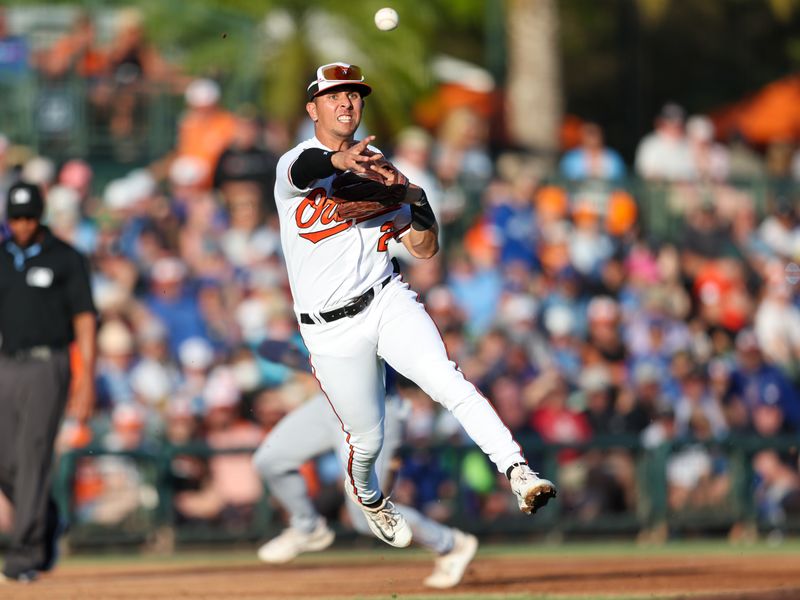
{"x": 318, "y": 207}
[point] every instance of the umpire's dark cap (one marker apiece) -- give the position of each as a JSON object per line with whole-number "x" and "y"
{"x": 24, "y": 200}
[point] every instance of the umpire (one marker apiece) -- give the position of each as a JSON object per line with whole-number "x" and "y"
{"x": 45, "y": 305}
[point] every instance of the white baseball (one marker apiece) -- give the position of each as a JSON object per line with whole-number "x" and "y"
{"x": 386, "y": 19}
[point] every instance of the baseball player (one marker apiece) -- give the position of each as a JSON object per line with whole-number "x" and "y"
{"x": 355, "y": 312}
{"x": 279, "y": 457}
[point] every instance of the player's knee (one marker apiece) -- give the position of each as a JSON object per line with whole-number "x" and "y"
{"x": 269, "y": 463}
{"x": 441, "y": 380}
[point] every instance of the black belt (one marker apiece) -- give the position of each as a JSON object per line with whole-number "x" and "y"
{"x": 34, "y": 352}
{"x": 348, "y": 310}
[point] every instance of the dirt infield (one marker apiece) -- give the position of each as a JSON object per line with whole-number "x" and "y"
{"x": 389, "y": 575}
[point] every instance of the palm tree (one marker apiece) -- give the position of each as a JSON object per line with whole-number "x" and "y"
{"x": 533, "y": 91}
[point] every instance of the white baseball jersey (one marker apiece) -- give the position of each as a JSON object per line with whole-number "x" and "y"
{"x": 330, "y": 260}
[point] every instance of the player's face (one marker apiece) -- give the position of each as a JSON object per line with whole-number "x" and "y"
{"x": 338, "y": 113}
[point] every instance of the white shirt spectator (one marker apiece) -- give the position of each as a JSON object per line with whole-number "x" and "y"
{"x": 665, "y": 153}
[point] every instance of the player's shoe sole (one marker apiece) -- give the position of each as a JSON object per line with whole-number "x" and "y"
{"x": 538, "y": 496}
{"x": 532, "y": 491}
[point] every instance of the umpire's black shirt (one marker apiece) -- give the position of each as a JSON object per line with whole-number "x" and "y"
{"x": 41, "y": 289}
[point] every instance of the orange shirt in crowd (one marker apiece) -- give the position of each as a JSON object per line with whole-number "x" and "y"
{"x": 204, "y": 134}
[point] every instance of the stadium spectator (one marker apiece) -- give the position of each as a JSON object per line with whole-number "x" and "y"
{"x": 697, "y": 474}
{"x": 779, "y": 232}
{"x": 755, "y": 382}
{"x": 76, "y": 53}
{"x": 14, "y": 52}
{"x": 778, "y": 491}
{"x": 776, "y": 322}
{"x": 248, "y": 240}
{"x": 696, "y": 404}
{"x": 648, "y": 400}
{"x": 233, "y": 486}
{"x": 476, "y": 287}
{"x": 115, "y": 345}
{"x": 245, "y": 162}
{"x": 592, "y": 159}
{"x": 710, "y": 159}
{"x": 206, "y": 128}
{"x": 510, "y": 214}
{"x": 664, "y": 154}
{"x": 196, "y": 357}
{"x": 589, "y": 246}
{"x": 463, "y": 167}
{"x": 412, "y": 156}
{"x": 173, "y": 303}
{"x": 134, "y": 67}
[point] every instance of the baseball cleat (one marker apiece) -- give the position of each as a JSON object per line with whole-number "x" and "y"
{"x": 449, "y": 568}
{"x": 291, "y": 542}
{"x": 532, "y": 491}
{"x": 28, "y": 576}
{"x": 386, "y": 523}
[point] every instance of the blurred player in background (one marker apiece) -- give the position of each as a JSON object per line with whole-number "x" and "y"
{"x": 280, "y": 456}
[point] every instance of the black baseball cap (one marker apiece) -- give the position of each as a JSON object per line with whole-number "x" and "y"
{"x": 24, "y": 200}
{"x": 335, "y": 75}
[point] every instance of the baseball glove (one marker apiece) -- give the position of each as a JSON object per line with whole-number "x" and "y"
{"x": 359, "y": 196}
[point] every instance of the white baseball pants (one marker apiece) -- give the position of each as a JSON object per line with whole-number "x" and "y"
{"x": 347, "y": 356}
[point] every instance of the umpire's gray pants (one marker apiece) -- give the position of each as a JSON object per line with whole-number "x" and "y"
{"x": 33, "y": 393}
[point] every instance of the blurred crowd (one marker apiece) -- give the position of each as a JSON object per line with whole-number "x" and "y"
{"x": 558, "y": 292}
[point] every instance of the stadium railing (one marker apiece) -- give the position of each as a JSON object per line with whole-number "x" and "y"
{"x": 473, "y": 495}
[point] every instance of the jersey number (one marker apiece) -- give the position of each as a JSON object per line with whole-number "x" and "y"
{"x": 383, "y": 241}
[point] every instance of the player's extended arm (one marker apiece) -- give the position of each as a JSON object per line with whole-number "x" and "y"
{"x": 317, "y": 163}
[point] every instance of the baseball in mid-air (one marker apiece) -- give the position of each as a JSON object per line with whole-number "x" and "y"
{"x": 386, "y": 19}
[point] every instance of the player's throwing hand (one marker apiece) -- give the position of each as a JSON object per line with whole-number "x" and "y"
{"x": 356, "y": 158}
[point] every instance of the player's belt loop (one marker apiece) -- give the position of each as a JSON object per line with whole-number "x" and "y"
{"x": 379, "y": 286}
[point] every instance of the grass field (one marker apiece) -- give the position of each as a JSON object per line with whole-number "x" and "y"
{"x": 535, "y": 571}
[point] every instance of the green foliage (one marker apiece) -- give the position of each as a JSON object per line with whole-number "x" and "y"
{"x": 274, "y": 46}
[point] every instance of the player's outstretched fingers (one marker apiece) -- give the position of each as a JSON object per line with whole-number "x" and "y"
{"x": 362, "y": 156}
{"x": 351, "y": 158}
